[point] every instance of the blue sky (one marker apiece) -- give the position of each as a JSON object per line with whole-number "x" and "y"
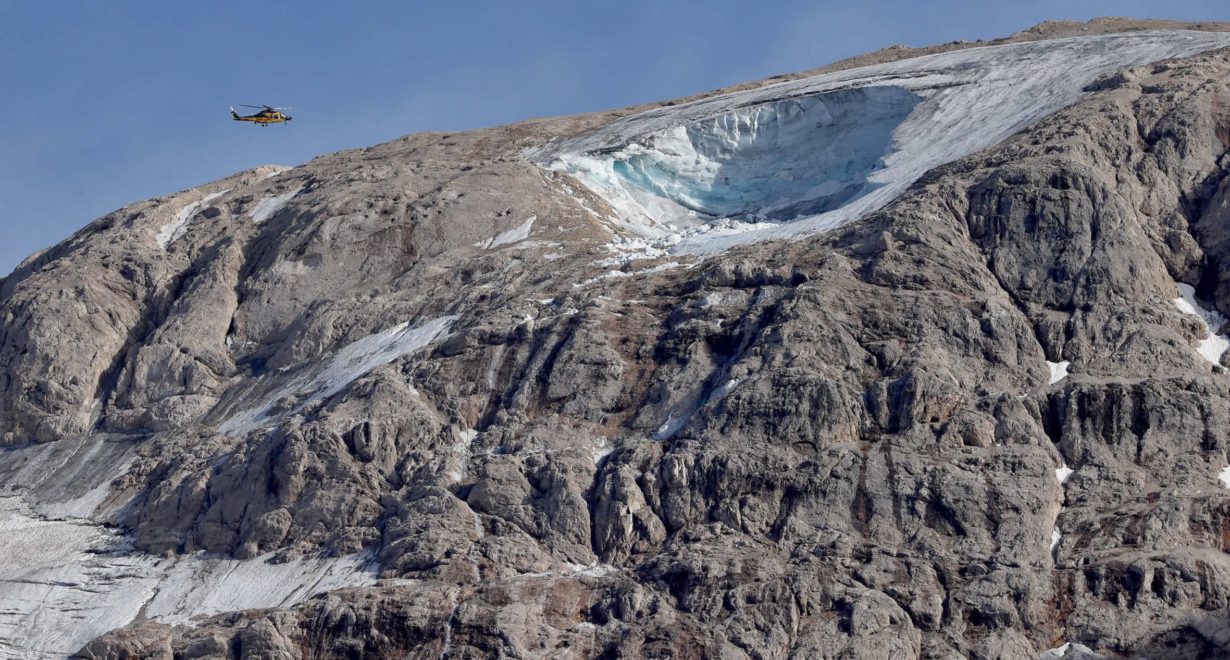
{"x": 107, "y": 102}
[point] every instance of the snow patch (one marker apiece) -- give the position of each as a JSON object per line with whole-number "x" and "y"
{"x": 462, "y": 447}
{"x": 1055, "y": 536}
{"x": 1224, "y": 476}
{"x": 804, "y": 156}
{"x": 593, "y": 570}
{"x": 604, "y": 449}
{"x": 1059, "y": 371}
{"x": 518, "y": 233}
{"x": 177, "y": 227}
{"x": 673, "y": 424}
{"x": 268, "y": 206}
{"x": 1063, "y": 473}
{"x": 725, "y": 388}
{"x": 322, "y": 379}
{"x": 1213, "y": 345}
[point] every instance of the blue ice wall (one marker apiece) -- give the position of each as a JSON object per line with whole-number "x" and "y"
{"x": 778, "y": 160}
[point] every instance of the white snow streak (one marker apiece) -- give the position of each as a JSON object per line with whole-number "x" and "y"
{"x": 1059, "y": 371}
{"x": 321, "y": 379}
{"x": 268, "y": 206}
{"x": 518, "y": 233}
{"x": 1055, "y": 536}
{"x": 1224, "y": 476}
{"x": 804, "y": 156}
{"x": 173, "y": 230}
{"x": 1212, "y": 346}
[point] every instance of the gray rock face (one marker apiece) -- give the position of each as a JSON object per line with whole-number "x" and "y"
{"x": 847, "y": 445}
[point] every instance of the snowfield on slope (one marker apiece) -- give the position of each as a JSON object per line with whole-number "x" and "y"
{"x": 66, "y": 581}
{"x": 800, "y": 157}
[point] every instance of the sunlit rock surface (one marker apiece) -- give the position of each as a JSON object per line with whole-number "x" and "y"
{"x": 467, "y": 395}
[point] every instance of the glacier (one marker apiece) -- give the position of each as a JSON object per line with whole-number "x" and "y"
{"x": 777, "y": 160}
{"x": 799, "y": 157}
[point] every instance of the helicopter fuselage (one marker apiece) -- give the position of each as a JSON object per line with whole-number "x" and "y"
{"x": 264, "y": 117}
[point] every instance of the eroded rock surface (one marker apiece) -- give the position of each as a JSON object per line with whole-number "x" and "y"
{"x": 556, "y": 442}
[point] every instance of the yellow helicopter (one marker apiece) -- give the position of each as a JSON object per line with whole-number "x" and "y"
{"x": 267, "y": 115}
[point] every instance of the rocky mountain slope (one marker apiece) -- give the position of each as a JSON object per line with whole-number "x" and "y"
{"x": 613, "y": 385}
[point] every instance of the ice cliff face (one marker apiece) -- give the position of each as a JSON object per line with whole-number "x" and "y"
{"x": 815, "y": 153}
{"x": 777, "y": 160}
{"x": 564, "y": 389}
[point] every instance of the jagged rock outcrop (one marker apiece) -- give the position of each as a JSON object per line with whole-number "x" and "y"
{"x": 553, "y": 444}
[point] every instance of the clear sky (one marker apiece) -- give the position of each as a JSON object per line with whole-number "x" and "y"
{"x": 107, "y": 102}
